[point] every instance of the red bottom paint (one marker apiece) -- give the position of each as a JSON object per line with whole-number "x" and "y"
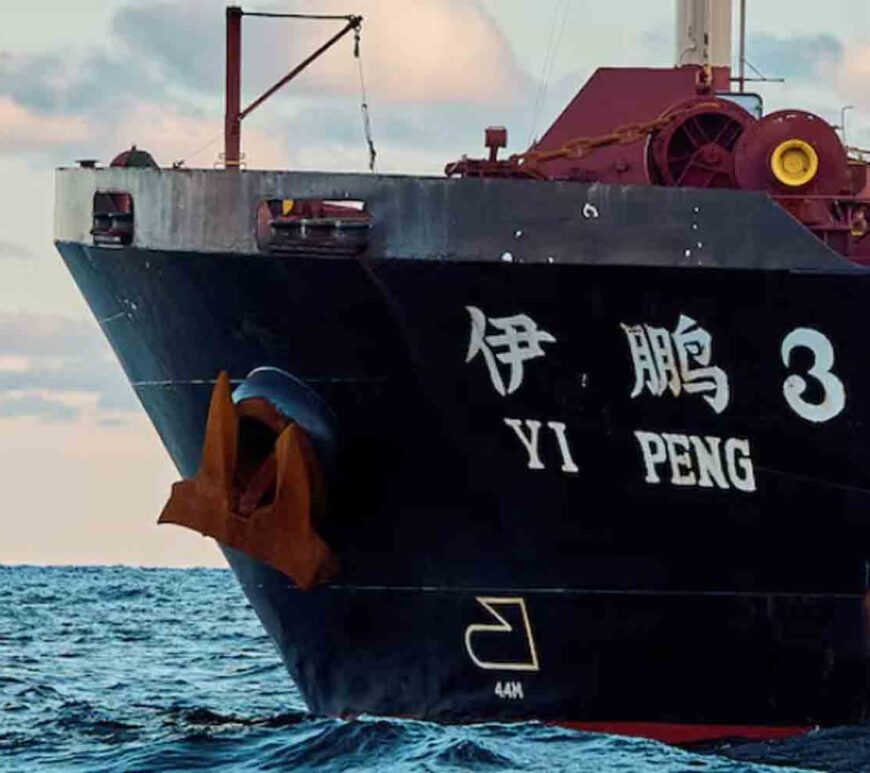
{"x": 673, "y": 733}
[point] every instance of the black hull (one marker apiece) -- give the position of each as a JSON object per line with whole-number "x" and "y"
{"x": 609, "y": 657}
{"x": 614, "y": 579}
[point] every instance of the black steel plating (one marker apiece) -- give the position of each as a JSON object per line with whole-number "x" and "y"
{"x": 553, "y": 533}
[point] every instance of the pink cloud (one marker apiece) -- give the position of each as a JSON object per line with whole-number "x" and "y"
{"x": 426, "y": 50}
{"x": 853, "y": 73}
{"x": 87, "y": 493}
{"x": 419, "y": 50}
{"x": 170, "y": 135}
{"x": 166, "y": 132}
{"x": 420, "y": 53}
{"x": 22, "y": 129}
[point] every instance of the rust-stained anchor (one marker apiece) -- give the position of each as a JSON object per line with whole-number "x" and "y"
{"x": 228, "y": 498}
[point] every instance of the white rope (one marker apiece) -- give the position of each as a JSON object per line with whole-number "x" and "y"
{"x": 557, "y": 31}
{"x": 364, "y": 105}
{"x": 182, "y": 161}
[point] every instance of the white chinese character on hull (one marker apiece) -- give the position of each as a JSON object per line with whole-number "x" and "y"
{"x": 678, "y": 361}
{"x": 518, "y": 340}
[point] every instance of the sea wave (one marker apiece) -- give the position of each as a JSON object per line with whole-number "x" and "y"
{"x": 122, "y": 669}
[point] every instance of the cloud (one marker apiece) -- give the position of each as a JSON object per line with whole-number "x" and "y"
{"x": 13, "y": 250}
{"x": 426, "y": 51}
{"x": 22, "y": 129}
{"x": 656, "y": 48}
{"x": 101, "y": 378}
{"x": 438, "y": 71}
{"x": 429, "y": 50}
{"x": 51, "y": 362}
{"x": 38, "y": 83}
{"x": 799, "y": 57}
{"x": 89, "y": 492}
{"x": 49, "y": 335}
{"x": 409, "y": 136}
{"x": 170, "y": 135}
{"x": 98, "y": 80}
{"x": 853, "y": 74}
{"x": 185, "y": 41}
{"x": 36, "y": 406}
{"x": 856, "y": 64}
{"x": 796, "y": 57}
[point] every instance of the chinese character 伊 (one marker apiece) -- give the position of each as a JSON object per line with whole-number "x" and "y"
{"x": 518, "y": 340}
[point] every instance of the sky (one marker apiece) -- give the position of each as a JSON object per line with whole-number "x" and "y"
{"x": 82, "y": 473}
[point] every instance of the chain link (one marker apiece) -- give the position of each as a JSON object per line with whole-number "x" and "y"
{"x": 581, "y": 147}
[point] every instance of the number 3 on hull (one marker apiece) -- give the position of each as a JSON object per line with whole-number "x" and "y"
{"x": 503, "y": 628}
{"x": 834, "y": 393}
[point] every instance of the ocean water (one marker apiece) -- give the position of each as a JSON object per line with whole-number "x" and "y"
{"x": 119, "y": 669}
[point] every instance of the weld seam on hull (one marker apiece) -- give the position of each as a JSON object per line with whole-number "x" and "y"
{"x": 212, "y": 381}
{"x": 592, "y": 591}
{"x": 112, "y": 317}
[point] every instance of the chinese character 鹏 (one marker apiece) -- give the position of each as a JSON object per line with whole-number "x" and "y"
{"x": 678, "y": 360}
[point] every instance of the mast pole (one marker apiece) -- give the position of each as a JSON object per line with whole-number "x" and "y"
{"x": 232, "y": 114}
{"x": 353, "y": 23}
{"x": 741, "y": 78}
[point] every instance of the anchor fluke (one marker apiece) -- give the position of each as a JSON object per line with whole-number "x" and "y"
{"x": 257, "y": 489}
